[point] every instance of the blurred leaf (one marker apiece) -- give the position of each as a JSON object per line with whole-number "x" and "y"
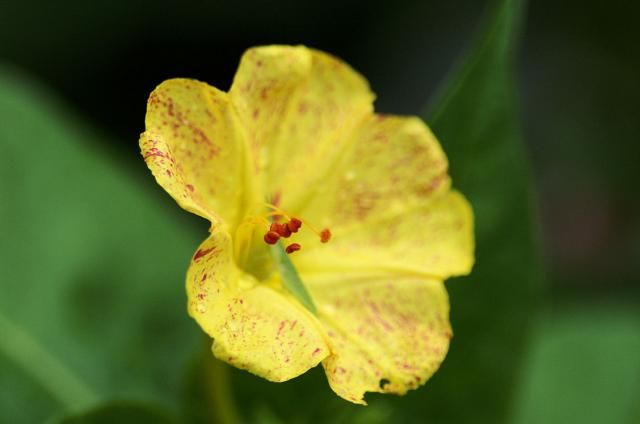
{"x": 120, "y": 413}
{"x": 92, "y": 304}
{"x": 584, "y": 367}
{"x": 476, "y": 120}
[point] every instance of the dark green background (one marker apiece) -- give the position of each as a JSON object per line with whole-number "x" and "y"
{"x": 537, "y": 106}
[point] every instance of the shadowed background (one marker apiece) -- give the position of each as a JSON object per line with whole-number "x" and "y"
{"x": 573, "y": 326}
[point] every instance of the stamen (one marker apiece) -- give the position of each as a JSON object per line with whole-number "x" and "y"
{"x": 276, "y": 211}
{"x": 288, "y": 228}
{"x": 281, "y": 229}
{"x": 293, "y": 247}
{"x": 325, "y": 235}
{"x": 271, "y": 237}
{"x": 294, "y": 224}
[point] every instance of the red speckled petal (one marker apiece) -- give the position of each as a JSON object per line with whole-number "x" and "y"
{"x": 389, "y": 207}
{"x": 195, "y": 148}
{"x": 388, "y": 334}
{"x": 299, "y": 107}
{"x": 256, "y": 326}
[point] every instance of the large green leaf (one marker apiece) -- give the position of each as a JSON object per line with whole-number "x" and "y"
{"x": 476, "y": 119}
{"x": 92, "y": 303}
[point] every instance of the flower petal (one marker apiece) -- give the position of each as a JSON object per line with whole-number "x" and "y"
{"x": 389, "y": 207}
{"x": 255, "y": 326}
{"x": 387, "y": 334}
{"x": 299, "y": 107}
{"x": 195, "y": 148}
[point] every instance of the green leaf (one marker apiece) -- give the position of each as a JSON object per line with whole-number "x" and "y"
{"x": 584, "y": 366}
{"x": 121, "y": 413}
{"x": 24, "y": 350}
{"x": 92, "y": 302}
{"x": 290, "y": 277}
{"x": 476, "y": 119}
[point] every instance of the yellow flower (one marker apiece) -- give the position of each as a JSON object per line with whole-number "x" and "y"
{"x": 295, "y": 138}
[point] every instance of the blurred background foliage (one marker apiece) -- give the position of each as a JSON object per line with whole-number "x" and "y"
{"x": 536, "y": 104}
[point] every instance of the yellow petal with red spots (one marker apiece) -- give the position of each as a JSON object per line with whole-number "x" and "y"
{"x": 387, "y": 333}
{"x": 255, "y": 325}
{"x": 299, "y": 106}
{"x": 389, "y": 207}
{"x": 195, "y": 147}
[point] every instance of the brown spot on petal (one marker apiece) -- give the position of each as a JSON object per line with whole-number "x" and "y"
{"x": 202, "y": 252}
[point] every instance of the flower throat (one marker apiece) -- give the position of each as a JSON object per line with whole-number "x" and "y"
{"x": 274, "y": 225}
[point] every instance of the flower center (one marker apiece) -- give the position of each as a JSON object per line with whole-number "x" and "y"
{"x": 256, "y": 232}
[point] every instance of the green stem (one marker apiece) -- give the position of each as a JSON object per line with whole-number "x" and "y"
{"x": 59, "y": 381}
{"x": 219, "y": 389}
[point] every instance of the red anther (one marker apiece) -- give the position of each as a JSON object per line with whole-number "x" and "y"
{"x": 294, "y": 224}
{"x": 275, "y": 227}
{"x": 325, "y": 235}
{"x": 293, "y": 247}
{"x": 281, "y": 229}
{"x": 271, "y": 237}
{"x": 285, "y": 231}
